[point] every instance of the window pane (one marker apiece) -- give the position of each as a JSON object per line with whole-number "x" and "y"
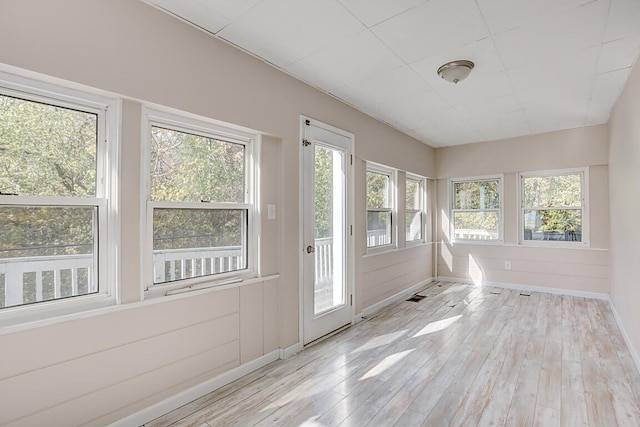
{"x": 564, "y": 224}
{"x": 198, "y": 242}
{"x": 193, "y": 168}
{"x": 414, "y": 225}
{"x": 413, "y": 194}
{"x": 476, "y": 225}
{"x": 553, "y": 191}
{"x": 46, "y": 253}
{"x": 378, "y": 228}
{"x": 46, "y": 150}
{"x": 476, "y": 195}
{"x": 378, "y": 190}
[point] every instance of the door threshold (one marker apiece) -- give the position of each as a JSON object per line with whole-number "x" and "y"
{"x": 329, "y": 335}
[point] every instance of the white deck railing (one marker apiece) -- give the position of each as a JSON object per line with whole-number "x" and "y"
{"x": 21, "y": 279}
{"x": 176, "y": 264}
{"x": 473, "y": 234}
{"x": 64, "y": 270}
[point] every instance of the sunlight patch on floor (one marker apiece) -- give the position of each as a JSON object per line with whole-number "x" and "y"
{"x": 386, "y": 363}
{"x": 437, "y": 326}
{"x": 381, "y": 340}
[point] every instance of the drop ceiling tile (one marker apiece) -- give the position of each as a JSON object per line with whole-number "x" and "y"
{"x": 353, "y": 59}
{"x": 413, "y": 111}
{"x": 199, "y": 12}
{"x": 618, "y": 54}
{"x": 285, "y": 31}
{"x": 477, "y": 90}
{"x": 623, "y": 20}
{"x": 489, "y": 108}
{"x": 553, "y": 39}
{"x": 432, "y": 28}
{"x": 383, "y": 87}
{"x": 607, "y": 88}
{"x": 372, "y": 12}
{"x": 557, "y": 95}
{"x": 482, "y": 53}
{"x": 500, "y": 125}
{"x": 505, "y": 15}
{"x": 550, "y": 50}
{"x": 462, "y": 133}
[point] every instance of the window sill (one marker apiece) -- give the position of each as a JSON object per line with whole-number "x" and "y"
{"x": 206, "y": 283}
{"x": 477, "y": 242}
{"x": 13, "y": 319}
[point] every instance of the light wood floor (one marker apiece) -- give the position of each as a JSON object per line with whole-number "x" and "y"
{"x": 462, "y": 356}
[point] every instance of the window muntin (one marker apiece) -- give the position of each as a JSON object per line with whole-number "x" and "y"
{"x": 52, "y": 197}
{"x": 553, "y": 207}
{"x": 476, "y": 209}
{"x": 379, "y": 208}
{"x": 200, "y": 207}
{"x": 414, "y": 209}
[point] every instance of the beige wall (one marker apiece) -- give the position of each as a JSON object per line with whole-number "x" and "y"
{"x": 624, "y": 176}
{"x": 579, "y": 269}
{"x": 112, "y": 362}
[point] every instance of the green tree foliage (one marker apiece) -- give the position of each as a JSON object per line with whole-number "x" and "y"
{"x": 323, "y": 192}
{"x": 377, "y": 190}
{"x": 562, "y": 194}
{"x": 46, "y": 150}
{"x": 412, "y": 194}
{"x": 192, "y": 168}
{"x": 480, "y": 196}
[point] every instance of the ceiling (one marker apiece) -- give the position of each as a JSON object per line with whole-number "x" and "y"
{"x": 540, "y": 65}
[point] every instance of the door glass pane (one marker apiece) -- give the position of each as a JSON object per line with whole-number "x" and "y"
{"x": 329, "y": 208}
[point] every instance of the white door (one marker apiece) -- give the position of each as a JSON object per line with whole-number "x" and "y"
{"x": 327, "y": 240}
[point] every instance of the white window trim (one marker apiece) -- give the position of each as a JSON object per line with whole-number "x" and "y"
{"x": 422, "y": 208}
{"x": 585, "y": 243}
{"x": 182, "y": 121}
{"x": 64, "y": 94}
{"x": 452, "y": 235}
{"x": 393, "y": 201}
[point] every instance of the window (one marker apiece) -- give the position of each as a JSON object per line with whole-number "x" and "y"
{"x": 380, "y": 202}
{"x": 414, "y": 209}
{"x": 553, "y": 206}
{"x": 54, "y": 201}
{"x": 200, "y": 193}
{"x": 476, "y": 209}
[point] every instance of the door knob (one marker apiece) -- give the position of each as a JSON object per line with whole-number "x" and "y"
{"x": 310, "y": 249}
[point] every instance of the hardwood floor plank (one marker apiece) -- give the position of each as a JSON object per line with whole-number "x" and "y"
{"x": 462, "y": 356}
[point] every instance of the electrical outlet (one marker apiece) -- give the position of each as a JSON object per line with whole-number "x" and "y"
{"x": 507, "y": 265}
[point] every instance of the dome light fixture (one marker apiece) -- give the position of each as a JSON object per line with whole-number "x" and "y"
{"x": 455, "y": 71}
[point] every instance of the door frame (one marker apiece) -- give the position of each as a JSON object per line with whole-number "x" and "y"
{"x": 350, "y": 216}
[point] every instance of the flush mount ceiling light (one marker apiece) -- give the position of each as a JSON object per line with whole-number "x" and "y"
{"x": 455, "y": 71}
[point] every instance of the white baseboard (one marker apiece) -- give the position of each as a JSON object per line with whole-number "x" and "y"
{"x": 286, "y": 353}
{"x": 369, "y": 311}
{"x": 625, "y": 335}
{"x": 558, "y": 291}
{"x": 177, "y": 400}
